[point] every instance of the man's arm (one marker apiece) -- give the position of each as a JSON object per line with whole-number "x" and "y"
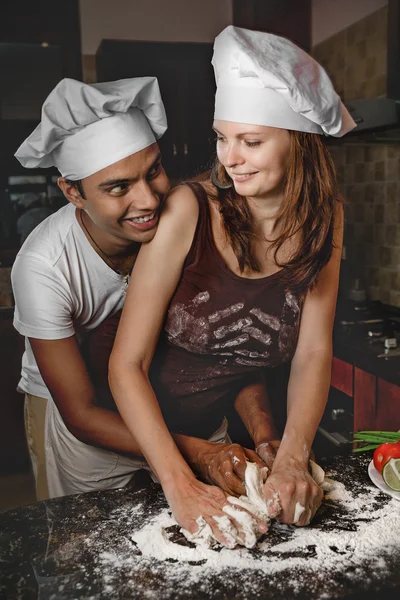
{"x": 65, "y": 373}
{"x": 253, "y": 406}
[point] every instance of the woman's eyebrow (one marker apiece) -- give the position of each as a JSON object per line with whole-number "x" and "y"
{"x": 240, "y": 134}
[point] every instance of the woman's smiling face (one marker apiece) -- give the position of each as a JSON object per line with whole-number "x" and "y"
{"x": 254, "y": 156}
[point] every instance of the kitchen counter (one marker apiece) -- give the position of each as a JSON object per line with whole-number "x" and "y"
{"x": 84, "y": 547}
{"x": 362, "y": 353}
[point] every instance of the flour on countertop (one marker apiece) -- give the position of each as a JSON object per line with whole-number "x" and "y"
{"x": 356, "y": 546}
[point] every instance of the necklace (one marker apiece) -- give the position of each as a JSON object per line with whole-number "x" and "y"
{"x": 114, "y": 266}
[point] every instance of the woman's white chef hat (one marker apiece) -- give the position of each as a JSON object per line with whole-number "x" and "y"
{"x": 85, "y": 128}
{"x": 264, "y": 79}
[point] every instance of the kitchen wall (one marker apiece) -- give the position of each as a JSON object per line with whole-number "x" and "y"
{"x": 331, "y": 16}
{"x": 157, "y": 20}
{"x": 149, "y": 20}
{"x": 369, "y": 173}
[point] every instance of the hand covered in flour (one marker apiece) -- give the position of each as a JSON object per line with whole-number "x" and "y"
{"x": 224, "y": 465}
{"x": 199, "y": 509}
{"x": 299, "y": 495}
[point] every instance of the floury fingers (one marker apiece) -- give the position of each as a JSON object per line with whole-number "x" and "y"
{"x": 251, "y": 512}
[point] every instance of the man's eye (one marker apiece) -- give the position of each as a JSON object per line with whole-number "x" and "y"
{"x": 118, "y": 189}
{"x": 252, "y": 144}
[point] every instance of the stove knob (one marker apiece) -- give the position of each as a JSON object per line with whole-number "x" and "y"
{"x": 390, "y": 343}
{"x": 336, "y": 413}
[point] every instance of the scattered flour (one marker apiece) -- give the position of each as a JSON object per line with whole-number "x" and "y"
{"x": 353, "y": 539}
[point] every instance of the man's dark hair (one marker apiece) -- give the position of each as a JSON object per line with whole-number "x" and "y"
{"x": 78, "y": 185}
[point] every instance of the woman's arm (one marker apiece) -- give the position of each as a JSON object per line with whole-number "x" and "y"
{"x": 307, "y": 394}
{"x": 154, "y": 279}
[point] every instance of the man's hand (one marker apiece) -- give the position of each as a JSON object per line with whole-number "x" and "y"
{"x": 224, "y": 465}
{"x": 267, "y": 451}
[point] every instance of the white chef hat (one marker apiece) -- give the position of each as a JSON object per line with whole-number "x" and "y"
{"x": 264, "y": 79}
{"x": 85, "y": 128}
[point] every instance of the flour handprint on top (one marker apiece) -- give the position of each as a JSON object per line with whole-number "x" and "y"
{"x": 237, "y": 331}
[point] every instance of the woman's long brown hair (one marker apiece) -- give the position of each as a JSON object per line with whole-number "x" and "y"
{"x": 311, "y": 198}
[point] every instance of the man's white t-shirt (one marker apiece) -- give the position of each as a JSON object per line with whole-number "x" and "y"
{"x": 61, "y": 287}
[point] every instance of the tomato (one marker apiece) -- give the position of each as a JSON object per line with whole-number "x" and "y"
{"x": 384, "y": 453}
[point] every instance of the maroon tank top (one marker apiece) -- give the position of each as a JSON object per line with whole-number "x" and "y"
{"x": 221, "y": 330}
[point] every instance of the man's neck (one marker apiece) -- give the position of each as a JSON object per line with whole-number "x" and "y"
{"x": 119, "y": 254}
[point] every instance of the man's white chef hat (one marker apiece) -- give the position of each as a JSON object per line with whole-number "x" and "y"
{"x": 264, "y": 79}
{"x": 85, "y": 128}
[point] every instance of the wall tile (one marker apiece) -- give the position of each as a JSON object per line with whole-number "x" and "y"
{"x": 392, "y": 169}
{"x": 394, "y": 298}
{"x": 392, "y": 192}
{"x": 391, "y": 237}
{"x": 359, "y": 213}
{"x": 379, "y": 234}
{"x": 395, "y": 257}
{"x": 373, "y": 276}
{"x": 379, "y": 213}
{"x": 395, "y": 280}
{"x": 385, "y": 279}
{"x": 380, "y": 171}
{"x": 385, "y": 256}
{"x": 369, "y": 173}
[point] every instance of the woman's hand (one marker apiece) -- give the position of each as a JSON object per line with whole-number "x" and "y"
{"x": 224, "y": 465}
{"x": 299, "y": 495}
{"x": 190, "y": 499}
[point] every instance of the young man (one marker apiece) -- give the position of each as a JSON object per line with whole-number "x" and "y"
{"x": 72, "y": 272}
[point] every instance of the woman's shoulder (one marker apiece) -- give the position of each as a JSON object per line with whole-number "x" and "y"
{"x": 179, "y": 216}
{"x": 184, "y": 199}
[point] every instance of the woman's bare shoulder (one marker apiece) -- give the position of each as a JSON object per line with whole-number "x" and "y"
{"x": 181, "y": 200}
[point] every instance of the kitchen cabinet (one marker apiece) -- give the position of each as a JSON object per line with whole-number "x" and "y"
{"x": 54, "y": 22}
{"x": 364, "y": 400}
{"x": 388, "y": 406}
{"x": 186, "y": 80}
{"x": 342, "y": 376}
{"x": 14, "y": 455}
{"x": 289, "y": 18}
{"x": 39, "y": 45}
{"x": 376, "y": 402}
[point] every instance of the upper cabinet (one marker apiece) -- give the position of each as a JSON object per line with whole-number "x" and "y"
{"x": 52, "y": 22}
{"x": 288, "y": 18}
{"x": 186, "y": 80}
{"x": 39, "y": 45}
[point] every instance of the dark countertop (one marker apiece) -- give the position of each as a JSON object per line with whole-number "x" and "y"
{"x": 80, "y": 547}
{"x": 361, "y": 353}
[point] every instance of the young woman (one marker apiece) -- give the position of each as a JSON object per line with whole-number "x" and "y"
{"x": 241, "y": 275}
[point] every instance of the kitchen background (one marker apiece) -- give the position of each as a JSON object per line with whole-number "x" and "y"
{"x": 357, "y": 41}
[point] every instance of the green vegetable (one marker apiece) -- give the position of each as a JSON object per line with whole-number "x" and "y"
{"x": 373, "y": 439}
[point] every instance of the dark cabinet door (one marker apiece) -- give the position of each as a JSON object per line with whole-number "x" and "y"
{"x": 185, "y": 76}
{"x": 14, "y": 455}
{"x": 288, "y": 18}
{"x": 198, "y": 139}
{"x": 388, "y": 406}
